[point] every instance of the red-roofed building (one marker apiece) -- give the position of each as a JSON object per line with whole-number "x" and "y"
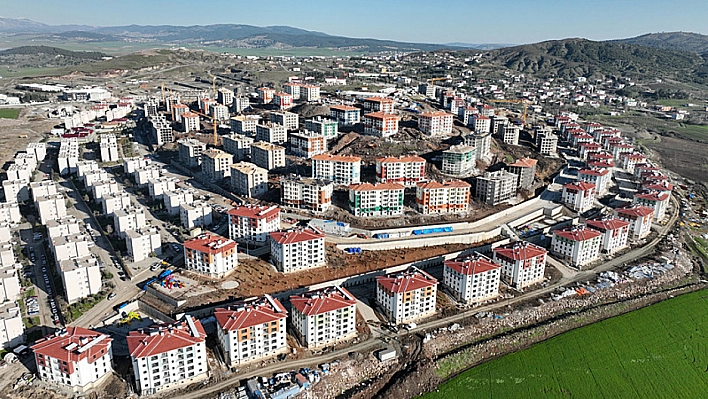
{"x": 656, "y": 200}
{"x": 265, "y": 95}
{"x": 522, "y": 264}
{"x": 282, "y": 100}
{"x": 579, "y": 138}
{"x": 618, "y": 150}
{"x": 600, "y": 177}
{"x": 578, "y": 196}
{"x": 340, "y": 169}
{"x": 452, "y": 196}
{"x": 605, "y": 163}
{"x": 380, "y": 124}
{"x": 210, "y": 254}
{"x": 578, "y": 245}
{"x": 379, "y": 104}
{"x": 639, "y": 218}
{"x": 525, "y": 168}
{"x": 662, "y": 186}
{"x": 632, "y": 159}
{"x": 297, "y": 249}
{"x": 252, "y": 329}
{"x": 435, "y": 123}
{"x": 479, "y": 123}
{"x": 74, "y": 357}
{"x": 640, "y": 169}
{"x": 406, "y": 170}
{"x": 585, "y": 149}
{"x": 253, "y": 223}
{"x": 472, "y": 279}
{"x": 345, "y": 115}
{"x": 615, "y": 232}
{"x": 170, "y": 355}
{"x": 323, "y": 317}
{"x": 376, "y": 200}
{"x": 406, "y": 296}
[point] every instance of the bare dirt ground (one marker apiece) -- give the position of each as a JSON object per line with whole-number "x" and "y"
{"x": 12, "y": 132}
{"x": 687, "y": 158}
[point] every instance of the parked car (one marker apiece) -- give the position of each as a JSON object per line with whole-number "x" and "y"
{"x": 111, "y": 296}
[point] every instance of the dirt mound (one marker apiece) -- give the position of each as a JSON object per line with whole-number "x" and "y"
{"x": 307, "y": 111}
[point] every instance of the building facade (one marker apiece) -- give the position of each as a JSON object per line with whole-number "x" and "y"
{"x": 406, "y": 296}
{"x": 211, "y": 255}
{"x": 340, "y": 169}
{"x": 297, "y": 249}
{"x": 523, "y": 264}
{"x": 323, "y": 317}
{"x": 253, "y": 224}
{"x": 472, "y": 279}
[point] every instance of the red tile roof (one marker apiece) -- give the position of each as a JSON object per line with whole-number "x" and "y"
{"x": 161, "y": 338}
{"x": 434, "y": 114}
{"x": 521, "y": 250}
{"x": 344, "y": 108}
{"x": 322, "y": 301}
{"x": 381, "y": 115}
{"x": 297, "y": 235}
{"x": 608, "y": 163}
{"x": 635, "y": 210}
{"x": 446, "y": 184}
{"x": 593, "y": 171}
{"x": 579, "y": 186}
{"x": 379, "y": 100}
{"x": 473, "y": 264}
{"x": 409, "y": 280}
{"x": 658, "y": 186}
{"x": 652, "y": 196}
{"x": 249, "y": 313}
{"x": 254, "y": 211}
{"x": 525, "y": 162}
{"x": 377, "y": 186}
{"x": 337, "y": 158}
{"x": 607, "y": 223}
{"x": 407, "y": 158}
{"x": 577, "y": 233}
{"x": 479, "y": 116}
{"x": 73, "y": 345}
{"x": 211, "y": 243}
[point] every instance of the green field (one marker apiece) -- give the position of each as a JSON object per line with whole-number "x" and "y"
{"x": 9, "y": 113}
{"x": 657, "y": 352}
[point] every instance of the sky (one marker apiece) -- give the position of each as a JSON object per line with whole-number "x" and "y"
{"x": 441, "y": 21}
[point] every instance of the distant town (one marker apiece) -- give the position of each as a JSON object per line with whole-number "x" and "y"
{"x": 214, "y": 238}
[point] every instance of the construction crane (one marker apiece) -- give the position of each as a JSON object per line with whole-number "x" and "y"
{"x": 433, "y": 80}
{"x": 213, "y": 120}
{"x": 524, "y": 102}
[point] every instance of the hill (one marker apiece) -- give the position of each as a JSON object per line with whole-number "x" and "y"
{"x": 571, "y": 58}
{"x": 46, "y": 57}
{"x": 680, "y": 41}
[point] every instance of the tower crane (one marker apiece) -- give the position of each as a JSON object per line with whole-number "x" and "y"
{"x": 524, "y": 102}
{"x": 213, "y": 120}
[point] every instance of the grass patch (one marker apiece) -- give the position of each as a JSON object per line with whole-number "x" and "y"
{"x": 657, "y": 351}
{"x": 9, "y": 113}
{"x": 76, "y": 310}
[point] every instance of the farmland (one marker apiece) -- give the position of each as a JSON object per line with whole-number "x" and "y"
{"x": 9, "y": 113}
{"x": 658, "y": 351}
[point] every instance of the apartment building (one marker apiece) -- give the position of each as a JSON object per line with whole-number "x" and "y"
{"x": 130, "y": 218}
{"x": 12, "y": 328}
{"x": 10, "y": 212}
{"x": 143, "y": 175}
{"x": 210, "y": 254}
{"x": 114, "y": 201}
{"x": 290, "y": 120}
{"x": 615, "y": 232}
{"x": 15, "y": 190}
{"x": 323, "y": 317}
{"x": 265, "y": 95}
{"x": 271, "y": 133}
{"x": 496, "y": 187}
{"x": 42, "y": 188}
{"x": 578, "y": 196}
{"x": 108, "y": 148}
{"x": 345, "y": 115}
{"x": 248, "y": 179}
{"x": 130, "y": 165}
{"x": 69, "y": 246}
{"x": 74, "y": 357}
{"x": 380, "y": 124}
{"x": 480, "y": 124}
{"x": 267, "y": 156}
{"x": 9, "y": 282}
{"x": 376, "y": 200}
{"x": 157, "y": 187}
{"x": 329, "y": 128}
{"x": 630, "y": 160}
{"x": 546, "y": 142}
{"x": 219, "y": 112}
{"x": 293, "y": 89}
{"x": 252, "y": 329}
{"x": 435, "y": 123}
{"x": 340, "y": 169}
{"x": 38, "y": 149}
{"x": 656, "y": 200}
{"x": 252, "y": 223}
{"x": 19, "y": 172}
{"x": 190, "y": 122}
{"x": 195, "y": 214}
{"x": 282, "y": 100}
{"x": 167, "y": 356}
{"x": 310, "y": 93}
{"x": 406, "y": 170}
{"x": 472, "y": 279}
{"x": 177, "y": 111}
{"x": 81, "y": 277}
{"x": 459, "y": 160}
{"x": 307, "y": 144}
{"x": 579, "y": 245}
{"x": 237, "y": 145}
{"x": 525, "y": 169}
{"x": 297, "y": 249}
{"x": 143, "y": 243}
{"x": 89, "y": 178}
{"x": 306, "y": 193}
{"x": 62, "y": 227}
{"x": 7, "y": 255}
{"x": 102, "y": 188}
{"x": 510, "y": 134}
{"x": 451, "y": 196}
{"x": 523, "y": 264}
{"x": 406, "y": 296}
{"x": 225, "y": 96}
{"x": 639, "y": 218}
{"x": 173, "y": 199}
{"x": 241, "y": 104}
{"x": 190, "y": 152}
{"x": 245, "y": 124}
{"x": 216, "y": 164}
{"x": 51, "y": 207}
{"x": 66, "y": 159}
{"x": 482, "y": 142}
{"x": 379, "y": 104}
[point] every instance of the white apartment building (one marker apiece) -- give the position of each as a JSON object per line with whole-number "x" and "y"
{"x": 451, "y": 196}
{"x": 435, "y": 123}
{"x": 143, "y": 175}
{"x": 103, "y": 188}
{"x": 245, "y": 124}
{"x": 15, "y": 191}
{"x": 7, "y": 255}
{"x": 173, "y": 199}
{"x": 578, "y": 245}
{"x": 293, "y": 89}
{"x": 68, "y": 156}
{"x": 306, "y": 193}
{"x": 19, "y": 172}
{"x": 406, "y": 296}
{"x": 522, "y": 263}
{"x": 307, "y": 144}
{"x": 74, "y": 357}
{"x": 12, "y": 328}
{"x": 251, "y": 330}
{"x": 130, "y": 165}
{"x": 271, "y": 133}
{"x": 253, "y": 224}
{"x": 167, "y": 356}
{"x": 85, "y": 166}
{"x": 546, "y": 142}
{"x": 323, "y": 317}
{"x": 10, "y": 212}
{"x": 63, "y": 227}
{"x": 38, "y": 149}
{"x": 459, "y": 160}
{"x": 142, "y": 243}
{"x": 268, "y": 156}
{"x": 51, "y": 207}
{"x": 600, "y": 177}
{"x": 9, "y": 282}
{"x": 482, "y": 142}
{"x": 196, "y": 214}
{"x": 219, "y": 111}
{"x": 241, "y": 104}
{"x": 190, "y": 122}
{"x": 380, "y": 124}
{"x": 496, "y": 187}
{"x": 81, "y": 277}
{"x": 656, "y": 200}
{"x": 109, "y": 148}
{"x": 162, "y": 131}
{"x": 379, "y": 104}
{"x": 297, "y": 249}
{"x": 639, "y": 218}
{"x": 70, "y": 246}
{"x": 177, "y": 111}
{"x": 510, "y": 134}
{"x": 225, "y": 96}
{"x": 290, "y": 120}
{"x": 211, "y": 255}
{"x": 405, "y": 170}
{"x": 615, "y": 232}
{"x": 42, "y": 188}
{"x": 480, "y": 124}
{"x": 329, "y": 128}
{"x": 114, "y": 201}
{"x": 309, "y": 93}
{"x": 376, "y": 200}
{"x": 340, "y": 169}
{"x": 216, "y": 164}
{"x": 157, "y": 187}
{"x": 248, "y": 179}
{"x": 345, "y": 115}
{"x": 190, "y": 152}
{"x": 578, "y": 196}
{"x": 472, "y": 279}
{"x": 131, "y": 218}
{"x": 237, "y": 145}
{"x": 94, "y": 176}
